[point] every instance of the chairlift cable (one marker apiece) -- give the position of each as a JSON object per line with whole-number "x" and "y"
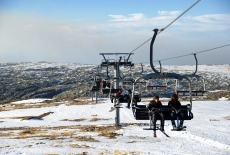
{"x": 189, "y": 54}
{"x": 167, "y": 25}
{"x": 194, "y": 53}
{"x": 179, "y": 16}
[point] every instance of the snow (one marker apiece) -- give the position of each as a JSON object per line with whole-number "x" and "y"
{"x": 223, "y": 99}
{"x": 37, "y": 100}
{"x": 223, "y": 69}
{"x": 208, "y": 133}
{"x": 210, "y": 71}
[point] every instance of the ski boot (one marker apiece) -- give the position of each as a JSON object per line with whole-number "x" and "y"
{"x": 154, "y": 134}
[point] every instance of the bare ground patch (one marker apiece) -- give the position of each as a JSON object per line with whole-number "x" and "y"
{"x": 119, "y": 152}
{"x": 97, "y": 119}
{"x": 134, "y": 124}
{"x": 77, "y": 102}
{"x": 53, "y": 133}
{"x": 106, "y": 131}
{"x": 79, "y": 146}
{"x": 29, "y": 117}
{"x": 4, "y": 146}
{"x": 83, "y": 153}
{"x": 227, "y": 118}
{"x": 86, "y": 138}
{"x": 8, "y": 107}
{"x": 214, "y": 120}
{"x": 74, "y": 120}
{"x": 39, "y": 116}
{"x": 5, "y": 134}
{"x": 45, "y": 103}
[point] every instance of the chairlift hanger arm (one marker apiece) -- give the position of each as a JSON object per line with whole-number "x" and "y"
{"x": 128, "y": 57}
{"x": 142, "y": 68}
{"x": 194, "y": 54}
{"x": 120, "y": 59}
{"x": 151, "y": 51}
{"x": 196, "y": 63}
{"x": 103, "y": 56}
{"x": 118, "y": 67}
{"x": 160, "y": 66}
{"x": 194, "y": 74}
{"x": 98, "y": 69}
{"x": 107, "y": 71}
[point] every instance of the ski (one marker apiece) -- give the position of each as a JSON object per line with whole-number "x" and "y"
{"x": 113, "y": 108}
{"x": 179, "y": 129}
{"x": 163, "y": 132}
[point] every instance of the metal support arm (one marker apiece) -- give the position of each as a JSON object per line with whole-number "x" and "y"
{"x": 151, "y": 50}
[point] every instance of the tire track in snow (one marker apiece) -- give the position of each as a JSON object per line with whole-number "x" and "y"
{"x": 205, "y": 141}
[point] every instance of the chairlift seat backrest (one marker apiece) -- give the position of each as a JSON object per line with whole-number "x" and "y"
{"x": 194, "y": 93}
{"x": 107, "y": 91}
{"x": 142, "y": 113}
{"x": 156, "y": 87}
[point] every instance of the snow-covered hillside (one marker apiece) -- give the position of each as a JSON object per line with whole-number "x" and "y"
{"x": 83, "y": 127}
{"x": 70, "y": 80}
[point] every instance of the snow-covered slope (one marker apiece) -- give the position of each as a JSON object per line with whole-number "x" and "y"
{"x": 62, "y": 132}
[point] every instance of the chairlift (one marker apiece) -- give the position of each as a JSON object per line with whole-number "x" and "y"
{"x": 192, "y": 76}
{"x": 140, "y": 112}
{"x": 124, "y": 97}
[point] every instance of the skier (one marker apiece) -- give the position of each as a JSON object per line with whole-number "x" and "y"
{"x": 117, "y": 97}
{"x": 153, "y": 106}
{"x": 175, "y": 112}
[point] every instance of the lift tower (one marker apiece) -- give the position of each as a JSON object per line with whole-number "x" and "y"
{"x": 116, "y": 63}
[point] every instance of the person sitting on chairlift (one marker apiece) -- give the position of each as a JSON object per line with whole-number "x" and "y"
{"x": 117, "y": 96}
{"x": 155, "y": 106}
{"x": 175, "y": 113}
{"x": 107, "y": 85}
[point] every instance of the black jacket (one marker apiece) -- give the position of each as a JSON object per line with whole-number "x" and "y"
{"x": 153, "y": 104}
{"x": 175, "y": 104}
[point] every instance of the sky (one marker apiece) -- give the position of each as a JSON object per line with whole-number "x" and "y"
{"x": 77, "y": 31}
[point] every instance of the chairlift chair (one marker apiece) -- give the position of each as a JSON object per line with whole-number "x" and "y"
{"x": 195, "y": 93}
{"x": 140, "y": 112}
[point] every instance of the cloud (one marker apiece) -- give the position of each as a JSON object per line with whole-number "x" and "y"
{"x": 139, "y": 17}
{"x": 130, "y": 18}
{"x": 167, "y": 13}
{"x": 29, "y": 38}
{"x": 210, "y": 18}
{"x": 206, "y": 23}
